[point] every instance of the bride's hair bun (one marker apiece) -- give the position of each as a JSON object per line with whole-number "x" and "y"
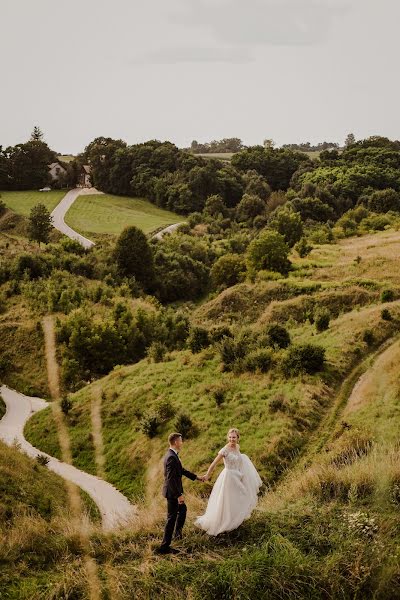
{"x": 234, "y": 430}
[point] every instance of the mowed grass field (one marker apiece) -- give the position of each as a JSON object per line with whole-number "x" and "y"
{"x": 104, "y": 213}
{"x": 22, "y": 202}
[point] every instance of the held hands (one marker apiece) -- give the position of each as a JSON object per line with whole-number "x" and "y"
{"x": 204, "y": 478}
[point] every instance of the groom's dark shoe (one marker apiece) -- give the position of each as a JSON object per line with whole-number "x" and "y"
{"x": 166, "y": 550}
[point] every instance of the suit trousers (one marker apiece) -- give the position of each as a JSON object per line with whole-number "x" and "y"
{"x": 175, "y": 520}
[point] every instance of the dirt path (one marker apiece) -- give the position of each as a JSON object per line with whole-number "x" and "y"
{"x": 115, "y": 509}
{"x": 61, "y": 210}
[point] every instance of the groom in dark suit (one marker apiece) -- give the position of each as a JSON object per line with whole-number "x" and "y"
{"x": 173, "y": 492}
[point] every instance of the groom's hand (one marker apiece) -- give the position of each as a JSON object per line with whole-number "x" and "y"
{"x": 181, "y": 500}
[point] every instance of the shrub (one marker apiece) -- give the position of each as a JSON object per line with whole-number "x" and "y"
{"x": 288, "y": 223}
{"x": 303, "y": 358}
{"x": 156, "y": 352}
{"x": 268, "y": 251}
{"x": 219, "y": 332}
{"x": 303, "y": 247}
{"x": 277, "y": 336}
{"x": 278, "y": 402}
{"x": 66, "y": 405}
{"x": 219, "y": 394}
{"x": 322, "y": 319}
{"x": 259, "y": 360}
{"x": 234, "y": 350}
{"x": 5, "y": 364}
{"x": 3, "y": 208}
{"x": 368, "y": 337}
{"x": 198, "y": 339}
{"x": 164, "y": 410}
{"x": 149, "y": 425}
{"x": 42, "y": 459}
{"x": 386, "y": 315}
{"x": 228, "y": 270}
{"x": 387, "y": 295}
{"x": 185, "y": 426}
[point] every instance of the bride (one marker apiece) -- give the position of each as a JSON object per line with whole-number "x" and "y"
{"x": 234, "y": 495}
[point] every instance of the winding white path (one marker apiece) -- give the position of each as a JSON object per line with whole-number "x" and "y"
{"x": 63, "y": 207}
{"x": 115, "y": 509}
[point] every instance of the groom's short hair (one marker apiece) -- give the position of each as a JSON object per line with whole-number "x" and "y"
{"x": 173, "y": 437}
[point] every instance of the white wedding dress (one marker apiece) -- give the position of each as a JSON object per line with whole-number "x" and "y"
{"x": 234, "y": 495}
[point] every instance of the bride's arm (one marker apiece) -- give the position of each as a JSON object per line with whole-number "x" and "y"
{"x": 214, "y": 463}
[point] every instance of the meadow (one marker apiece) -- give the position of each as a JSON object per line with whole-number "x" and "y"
{"x": 326, "y": 446}
{"x": 107, "y": 214}
{"x": 23, "y": 202}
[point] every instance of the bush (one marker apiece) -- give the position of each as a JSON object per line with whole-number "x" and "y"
{"x": 42, "y": 459}
{"x": 66, "y": 405}
{"x": 259, "y": 360}
{"x": 288, "y": 223}
{"x": 387, "y": 295}
{"x": 368, "y": 337}
{"x": 149, "y": 425}
{"x": 303, "y": 247}
{"x": 268, "y": 251}
{"x": 303, "y": 358}
{"x": 234, "y": 350}
{"x": 386, "y": 315}
{"x": 5, "y": 364}
{"x": 219, "y": 332}
{"x": 185, "y": 426}
{"x": 277, "y": 336}
{"x": 156, "y": 352}
{"x": 198, "y": 339}
{"x": 322, "y": 319}
{"x": 164, "y": 410}
{"x": 228, "y": 270}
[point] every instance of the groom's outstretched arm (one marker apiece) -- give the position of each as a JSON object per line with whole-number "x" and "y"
{"x": 188, "y": 474}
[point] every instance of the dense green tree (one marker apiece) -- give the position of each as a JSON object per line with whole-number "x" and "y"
{"x": 39, "y": 224}
{"x": 228, "y": 270}
{"x": 312, "y": 209}
{"x": 28, "y": 165}
{"x": 134, "y": 256}
{"x": 249, "y": 207}
{"x": 215, "y": 206}
{"x": 277, "y": 165}
{"x": 256, "y": 185}
{"x": 268, "y": 251}
{"x": 288, "y": 223}
{"x": 382, "y": 201}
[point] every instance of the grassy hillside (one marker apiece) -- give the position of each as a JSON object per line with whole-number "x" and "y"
{"x": 22, "y": 202}
{"x": 103, "y": 213}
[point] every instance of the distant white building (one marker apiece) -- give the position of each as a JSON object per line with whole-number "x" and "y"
{"x": 57, "y": 171}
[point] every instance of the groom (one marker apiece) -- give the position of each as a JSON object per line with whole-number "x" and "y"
{"x": 173, "y": 492}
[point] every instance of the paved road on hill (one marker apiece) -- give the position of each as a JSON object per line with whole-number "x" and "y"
{"x": 62, "y": 208}
{"x": 115, "y": 508}
{"x": 60, "y": 211}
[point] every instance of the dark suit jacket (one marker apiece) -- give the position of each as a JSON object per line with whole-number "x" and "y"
{"x": 173, "y": 471}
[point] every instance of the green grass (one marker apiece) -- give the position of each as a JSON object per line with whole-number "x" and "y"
{"x": 66, "y": 157}
{"x": 272, "y": 438}
{"x": 103, "y": 213}
{"x": 22, "y": 202}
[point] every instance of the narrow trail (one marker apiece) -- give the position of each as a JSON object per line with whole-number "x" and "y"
{"x": 114, "y": 507}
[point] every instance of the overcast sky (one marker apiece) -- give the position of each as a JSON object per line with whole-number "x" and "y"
{"x": 290, "y": 70}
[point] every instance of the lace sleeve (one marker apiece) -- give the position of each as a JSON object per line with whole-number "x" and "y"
{"x": 223, "y": 452}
